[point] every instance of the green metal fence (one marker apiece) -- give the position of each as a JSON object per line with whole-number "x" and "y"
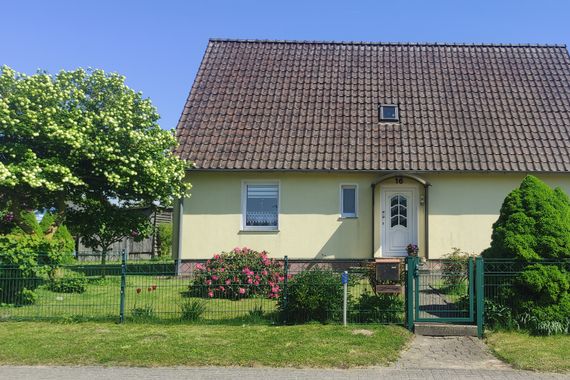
{"x": 501, "y": 292}
{"x": 161, "y": 292}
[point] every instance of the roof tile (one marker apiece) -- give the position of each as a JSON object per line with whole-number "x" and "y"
{"x": 286, "y": 105}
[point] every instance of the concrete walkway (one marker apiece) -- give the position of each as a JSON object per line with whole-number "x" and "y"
{"x": 427, "y": 358}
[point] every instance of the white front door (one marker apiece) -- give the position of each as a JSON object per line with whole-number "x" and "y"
{"x": 399, "y": 220}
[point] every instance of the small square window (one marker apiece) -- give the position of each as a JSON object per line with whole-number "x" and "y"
{"x": 389, "y": 112}
{"x": 348, "y": 201}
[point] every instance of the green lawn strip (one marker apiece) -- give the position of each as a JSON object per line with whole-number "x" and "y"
{"x": 535, "y": 353}
{"x": 312, "y": 345}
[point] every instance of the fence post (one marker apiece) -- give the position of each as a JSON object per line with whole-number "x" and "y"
{"x": 123, "y": 285}
{"x": 345, "y": 296}
{"x": 480, "y": 293}
{"x": 285, "y": 317}
{"x": 410, "y": 269}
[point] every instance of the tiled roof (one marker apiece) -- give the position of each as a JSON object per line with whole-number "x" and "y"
{"x": 286, "y": 105}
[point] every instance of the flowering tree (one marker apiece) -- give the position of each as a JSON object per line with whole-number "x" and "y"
{"x": 77, "y": 139}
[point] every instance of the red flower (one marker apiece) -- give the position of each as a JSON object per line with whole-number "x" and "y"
{"x": 139, "y": 290}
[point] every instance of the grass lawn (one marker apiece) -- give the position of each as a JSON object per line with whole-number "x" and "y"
{"x": 106, "y": 343}
{"x": 536, "y": 353}
{"x": 102, "y": 298}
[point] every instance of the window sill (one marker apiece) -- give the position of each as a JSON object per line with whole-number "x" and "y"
{"x": 347, "y": 217}
{"x": 256, "y": 231}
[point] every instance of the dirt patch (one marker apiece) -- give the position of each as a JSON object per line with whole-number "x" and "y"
{"x": 362, "y": 332}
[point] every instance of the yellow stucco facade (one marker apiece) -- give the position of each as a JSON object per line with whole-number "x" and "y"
{"x": 461, "y": 210}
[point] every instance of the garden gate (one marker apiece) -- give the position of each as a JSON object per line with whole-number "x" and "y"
{"x": 444, "y": 291}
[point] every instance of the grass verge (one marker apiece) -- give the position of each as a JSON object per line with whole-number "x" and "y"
{"x": 149, "y": 345}
{"x": 535, "y": 353}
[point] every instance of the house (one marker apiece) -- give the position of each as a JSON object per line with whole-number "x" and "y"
{"x": 352, "y": 150}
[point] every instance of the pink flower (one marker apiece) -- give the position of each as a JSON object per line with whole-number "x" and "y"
{"x": 249, "y": 280}
{"x": 236, "y": 250}
{"x": 208, "y": 282}
{"x": 199, "y": 266}
{"x": 210, "y": 294}
{"x": 216, "y": 257}
{"x": 215, "y": 278}
{"x": 275, "y": 289}
{"x": 264, "y": 272}
{"x": 256, "y": 282}
{"x": 222, "y": 288}
{"x": 222, "y": 269}
{"x": 228, "y": 281}
{"x": 241, "y": 291}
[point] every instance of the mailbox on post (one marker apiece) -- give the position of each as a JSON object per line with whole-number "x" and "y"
{"x": 388, "y": 276}
{"x": 388, "y": 270}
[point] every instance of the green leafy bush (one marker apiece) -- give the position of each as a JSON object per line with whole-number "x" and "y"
{"x": 142, "y": 312}
{"x": 70, "y": 282}
{"x": 164, "y": 235}
{"x": 380, "y": 308}
{"x": 499, "y": 316}
{"x": 533, "y": 224}
{"x": 192, "y": 310}
{"x": 547, "y": 320}
{"x": 534, "y": 228}
{"x": 454, "y": 270}
{"x": 542, "y": 284}
{"x": 29, "y": 254}
{"x": 314, "y": 295}
{"x": 256, "y": 314}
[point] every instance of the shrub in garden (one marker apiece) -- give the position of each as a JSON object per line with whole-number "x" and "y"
{"x": 534, "y": 226}
{"x": 240, "y": 273}
{"x": 380, "y": 308}
{"x": 192, "y": 310}
{"x": 314, "y": 295}
{"x": 543, "y": 299}
{"x": 27, "y": 254}
{"x": 164, "y": 235}
{"x": 454, "y": 270}
{"x": 499, "y": 316}
{"x": 70, "y": 282}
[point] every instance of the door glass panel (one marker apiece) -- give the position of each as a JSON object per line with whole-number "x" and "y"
{"x": 398, "y": 211}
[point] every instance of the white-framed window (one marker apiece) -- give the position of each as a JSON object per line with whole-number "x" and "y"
{"x": 260, "y": 206}
{"x": 349, "y": 201}
{"x": 389, "y": 112}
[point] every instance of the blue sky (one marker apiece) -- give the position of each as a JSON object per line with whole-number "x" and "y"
{"x": 158, "y": 45}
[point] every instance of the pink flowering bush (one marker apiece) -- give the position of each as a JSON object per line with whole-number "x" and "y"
{"x": 240, "y": 273}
